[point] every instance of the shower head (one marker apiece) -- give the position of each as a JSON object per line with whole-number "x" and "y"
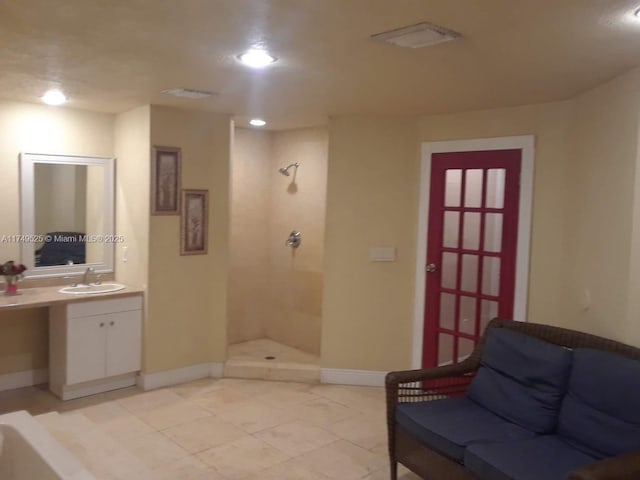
{"x": 285, "y": 170}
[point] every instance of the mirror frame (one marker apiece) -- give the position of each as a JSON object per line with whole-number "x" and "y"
{"x": 27, "y": 213}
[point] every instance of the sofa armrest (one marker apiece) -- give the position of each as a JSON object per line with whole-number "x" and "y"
{"x": 425, "y": 384}
{"x": 429, "y": 383}
{"x": 622, "y": 467}
{"x": 410, "y": 376}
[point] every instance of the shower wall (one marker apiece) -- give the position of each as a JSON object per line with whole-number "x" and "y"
{"x": 274, "y": 291}
{"x": 248, "y": 283}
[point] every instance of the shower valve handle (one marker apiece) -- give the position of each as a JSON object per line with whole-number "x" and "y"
{"x": 294, "y": 240}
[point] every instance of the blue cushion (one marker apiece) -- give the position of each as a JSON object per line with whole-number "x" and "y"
{"x": 522, "y": 379}
{"x": 601, "y": 412}
{"x": 448, "y": 426}
{"x": 546, "y": 457}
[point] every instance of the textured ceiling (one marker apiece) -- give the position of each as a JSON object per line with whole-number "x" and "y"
{"x": 113, "y": 55}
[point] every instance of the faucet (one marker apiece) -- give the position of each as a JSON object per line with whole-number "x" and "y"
{"x": 87, "y": 272}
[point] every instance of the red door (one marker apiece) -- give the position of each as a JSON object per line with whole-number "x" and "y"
{"x": 471, "y": 249}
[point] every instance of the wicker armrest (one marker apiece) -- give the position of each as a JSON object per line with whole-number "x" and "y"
{"x": 622, "y": 467}
{"x": 428, "y": 384}
{"x": 394, "y": 379}
{"x": 423, "y": 385}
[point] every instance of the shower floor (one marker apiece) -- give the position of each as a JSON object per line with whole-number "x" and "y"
{"x": 249, "y": 360}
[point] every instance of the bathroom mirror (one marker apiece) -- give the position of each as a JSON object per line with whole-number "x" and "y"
{"x": 67, "y": 214}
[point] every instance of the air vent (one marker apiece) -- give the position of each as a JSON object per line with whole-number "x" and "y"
{"x": 417, "y": 36}
{"x": 188, "y": 93}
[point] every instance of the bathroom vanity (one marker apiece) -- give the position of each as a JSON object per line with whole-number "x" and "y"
{"x": 95, "y": 328}
{"x": 95, "y": 341}
{"x": 94, "y": 345}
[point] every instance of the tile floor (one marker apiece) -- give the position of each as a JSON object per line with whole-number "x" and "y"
{"x": 247, "y": 360}
{"x": 221, "y": 429}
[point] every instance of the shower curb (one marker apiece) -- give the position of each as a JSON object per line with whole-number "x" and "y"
{"x": 336, "y": 376}
{"x": 166, "y": 378}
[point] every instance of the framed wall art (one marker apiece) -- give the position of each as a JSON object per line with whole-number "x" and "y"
{"x": 194, "y": 222}
{"x": 165, "y": 180}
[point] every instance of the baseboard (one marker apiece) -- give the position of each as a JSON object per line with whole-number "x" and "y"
{"x": 27, "y": 378}
{"x": 166, "y": 378}
{"x": 69, "y": 392}
{"x": 216, "y": 370}
{"x": 369, "y": 378}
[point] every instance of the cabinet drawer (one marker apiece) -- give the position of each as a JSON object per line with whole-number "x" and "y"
{"x": 100, "y": 307}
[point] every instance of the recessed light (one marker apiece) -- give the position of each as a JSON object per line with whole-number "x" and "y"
{"x": 636, "y": 12}
{"x": 257, "y": 122}
{"x": 256, "y": 58}
{"x": 54, "y": 97}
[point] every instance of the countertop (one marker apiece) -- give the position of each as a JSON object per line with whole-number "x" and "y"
{"x": 46, "y": 296}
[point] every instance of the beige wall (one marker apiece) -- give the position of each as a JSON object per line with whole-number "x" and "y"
{"x": 274, "y": 291}
{"x": 132, "y": 150}
{"x": 37, "y": 129}
{"x": 251, "y": 179}
{"x": 585, "y": 232}
{"x": 585, "y": 236}
{"x": 298, "y": 203}
{"x": 184, "y": 326}
{"x": 24, "y": 340}
{"x": 372, "y": 198}
{"x": 374, "y": 170}
{"x": 602, "y": 192}
{"x": 186, "y": 317}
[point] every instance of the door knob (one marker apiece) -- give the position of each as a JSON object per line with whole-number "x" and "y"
{"x": 431, "y": 267}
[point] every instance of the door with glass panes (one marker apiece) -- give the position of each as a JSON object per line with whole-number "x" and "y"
{"x": 471, "y": 249}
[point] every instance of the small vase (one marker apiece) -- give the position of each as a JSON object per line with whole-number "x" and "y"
{"x": 10, "y": 285}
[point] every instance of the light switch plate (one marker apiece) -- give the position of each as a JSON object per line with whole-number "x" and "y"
{"x": 382, "y": 254}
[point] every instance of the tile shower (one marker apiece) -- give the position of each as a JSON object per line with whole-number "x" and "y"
{"x": 275, "y": 291}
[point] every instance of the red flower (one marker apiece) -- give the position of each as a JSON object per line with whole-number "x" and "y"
{"x": 10, "y": 268}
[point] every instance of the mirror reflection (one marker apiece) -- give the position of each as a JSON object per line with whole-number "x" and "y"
{"x": 68, "y": 211}
{"x": 67, "y": 214}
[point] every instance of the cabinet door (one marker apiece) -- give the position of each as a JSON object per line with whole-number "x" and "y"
{"x": 86, "y": 348}
{"x": 124, "y": 340}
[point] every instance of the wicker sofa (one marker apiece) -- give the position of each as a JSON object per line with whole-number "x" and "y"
{"x": 532, "y": 402}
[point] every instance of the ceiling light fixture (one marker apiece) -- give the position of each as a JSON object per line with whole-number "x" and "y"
{"x": 256, "y": 58}
{"x": 636, "y": 12}
{"x": 54, "y": 97}
{"x": 257, "y": 122}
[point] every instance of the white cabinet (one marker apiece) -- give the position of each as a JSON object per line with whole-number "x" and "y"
{"x": 95, "y": 346}
{"x": 124, "y": 338}
{"x": 86, "y": 349}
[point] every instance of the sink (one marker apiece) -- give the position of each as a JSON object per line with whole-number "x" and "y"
{"x": 92, "y": 289}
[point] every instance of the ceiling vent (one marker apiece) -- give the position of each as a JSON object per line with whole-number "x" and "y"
{"x": 417, "y": 36}
{"x": 188, "y": 93}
